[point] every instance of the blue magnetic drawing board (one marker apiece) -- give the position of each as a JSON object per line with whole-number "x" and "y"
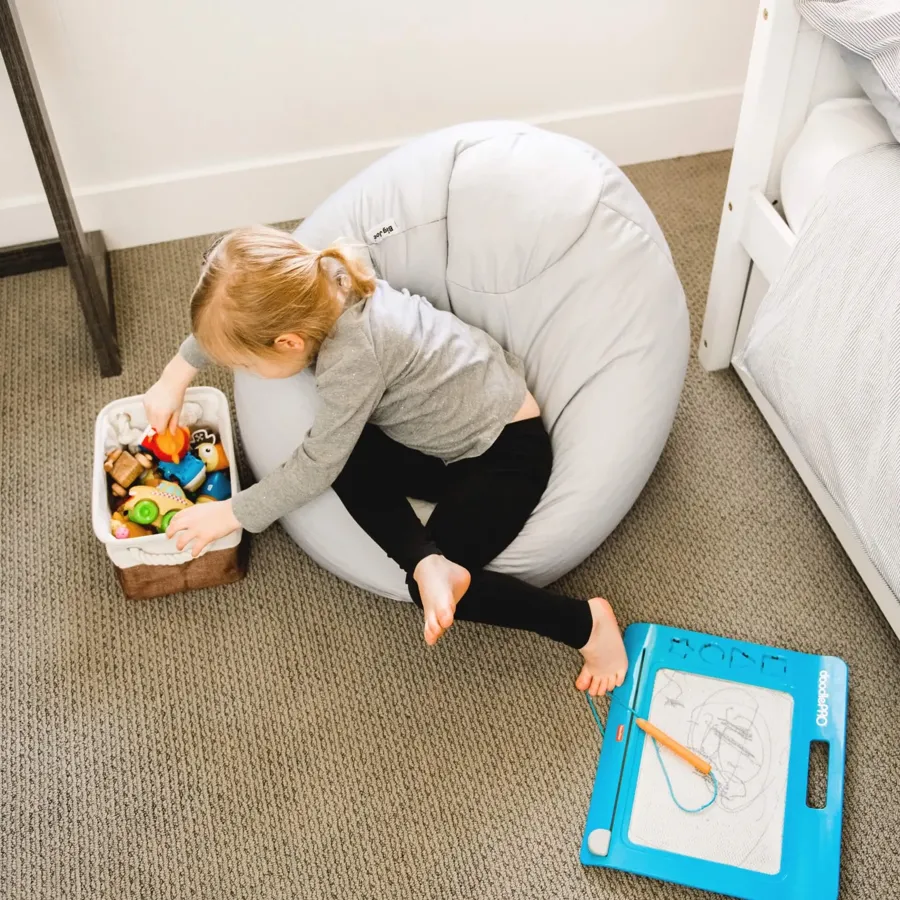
{"x": 753, "y": 712}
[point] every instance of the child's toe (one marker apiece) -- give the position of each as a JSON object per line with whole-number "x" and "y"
{"x": 583, "y": 681}
{"x": 432, "y": 629}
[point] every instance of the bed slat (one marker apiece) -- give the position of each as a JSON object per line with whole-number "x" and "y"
{"x": 766, "y": 236}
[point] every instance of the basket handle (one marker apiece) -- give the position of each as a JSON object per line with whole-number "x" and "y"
{"x": 163, "y": 559}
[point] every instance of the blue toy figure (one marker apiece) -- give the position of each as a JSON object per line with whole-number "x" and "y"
{"x": 190, "y": 473}
{"x": 216, "y": 487}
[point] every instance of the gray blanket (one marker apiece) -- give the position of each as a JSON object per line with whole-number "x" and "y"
{"x": 870, "y": 28}
{"x": 824, "y": 348}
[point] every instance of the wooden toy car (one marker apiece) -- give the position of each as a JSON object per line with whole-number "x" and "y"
{"x": 155, "y": 506}
{"x": 125, "y": 468}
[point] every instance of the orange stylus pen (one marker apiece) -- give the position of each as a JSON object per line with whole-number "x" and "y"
{"x": 700, "y": 764}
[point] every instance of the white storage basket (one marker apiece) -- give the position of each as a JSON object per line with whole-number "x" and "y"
{"x": 157, "y": 549}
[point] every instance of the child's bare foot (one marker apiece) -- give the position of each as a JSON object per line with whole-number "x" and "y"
{"x": 605, "y": 662}
{"x": 441, "y": 586}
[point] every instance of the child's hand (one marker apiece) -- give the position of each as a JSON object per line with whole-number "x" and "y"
{"x": 163, "y": 402}
{"x": 202, "y": 524}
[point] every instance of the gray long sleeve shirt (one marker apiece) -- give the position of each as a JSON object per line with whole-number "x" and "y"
{"x": 426, "y": 378}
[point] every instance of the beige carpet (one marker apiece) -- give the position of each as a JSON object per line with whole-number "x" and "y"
{"x": 291, "y": 736}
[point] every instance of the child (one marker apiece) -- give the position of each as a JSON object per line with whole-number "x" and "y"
{"x": 414, "y": 403}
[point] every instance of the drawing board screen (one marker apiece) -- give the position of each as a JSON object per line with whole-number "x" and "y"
{"x": 745, "y": 732}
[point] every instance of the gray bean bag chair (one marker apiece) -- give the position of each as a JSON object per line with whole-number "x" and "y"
{"x": 542, "y": 242}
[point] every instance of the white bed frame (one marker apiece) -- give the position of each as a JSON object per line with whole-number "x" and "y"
{"x": 792, "y": 69}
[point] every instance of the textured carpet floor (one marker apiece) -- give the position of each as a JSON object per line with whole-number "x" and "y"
{"x": 291, "y": 736}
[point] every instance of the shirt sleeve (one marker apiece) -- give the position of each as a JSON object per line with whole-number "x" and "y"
{"x": 350, "y": 385}
{"x": 192, "y": 353}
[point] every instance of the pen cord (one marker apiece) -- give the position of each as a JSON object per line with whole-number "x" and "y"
{"x": 662, "y": 765}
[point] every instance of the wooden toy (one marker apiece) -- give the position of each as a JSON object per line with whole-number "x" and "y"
{"x": 216, "y": 487}
{"x": 123, "y": 528}
{"x": 125, "y": 469}
{"x": 155, "y": 506}
{"x": 189, "y": 473}
{"x": 167, "y": 447}
{"x": 213, "y": 456}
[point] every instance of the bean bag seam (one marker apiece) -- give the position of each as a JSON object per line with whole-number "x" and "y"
{"x": 662, "y": 248}
{"x": 408, "y": 230}
{"x": 613, "y": 210}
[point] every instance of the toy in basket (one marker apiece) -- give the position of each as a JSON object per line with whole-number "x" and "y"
{"x": 172, "y": 479}
{"x": 142, "y": 479}
{"x": 154, "y": 507}
{"x": 125, "y": 468}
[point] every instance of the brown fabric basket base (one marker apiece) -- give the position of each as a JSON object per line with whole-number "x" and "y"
{"x": 209, "y": 570}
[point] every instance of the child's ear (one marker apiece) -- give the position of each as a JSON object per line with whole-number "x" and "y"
{"x": 291, "y": 342}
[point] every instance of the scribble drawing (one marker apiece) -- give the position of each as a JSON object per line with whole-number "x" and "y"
{"x": 745, "y": 732}
{"x": 728, "y": 728}
{"x": 671, "y": 690}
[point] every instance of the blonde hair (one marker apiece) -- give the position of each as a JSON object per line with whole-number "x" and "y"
{"x": 258, "y": 283}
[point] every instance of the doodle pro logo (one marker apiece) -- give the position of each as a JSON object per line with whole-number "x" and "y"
{"x": 822, "y": 709}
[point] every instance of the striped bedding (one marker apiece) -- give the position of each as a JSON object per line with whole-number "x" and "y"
{"x": 869, "y": 28}
{"x": 824, "y": 348}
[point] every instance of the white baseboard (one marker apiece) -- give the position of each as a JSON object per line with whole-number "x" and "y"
{"x": 275, "y": 189}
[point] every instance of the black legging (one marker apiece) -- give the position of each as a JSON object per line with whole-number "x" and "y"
{"x": 482, "y": 504}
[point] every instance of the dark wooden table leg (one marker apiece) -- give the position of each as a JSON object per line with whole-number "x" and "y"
{"x": 87, "y": 259}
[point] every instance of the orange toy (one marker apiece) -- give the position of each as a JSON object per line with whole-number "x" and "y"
{"x": 213, "y": 456}
{"x": 167, "y": 447}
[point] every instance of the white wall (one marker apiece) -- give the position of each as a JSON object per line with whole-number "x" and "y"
{"x": 177, "y": 117}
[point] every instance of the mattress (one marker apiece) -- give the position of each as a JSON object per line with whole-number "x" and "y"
{"x": 824, "y": 348}
{"x": 833, "y": 131}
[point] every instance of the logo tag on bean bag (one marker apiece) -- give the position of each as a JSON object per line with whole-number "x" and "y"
{"x": 381, "y": 231}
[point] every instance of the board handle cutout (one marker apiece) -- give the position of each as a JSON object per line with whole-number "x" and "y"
{"x": 817, "y": 780}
